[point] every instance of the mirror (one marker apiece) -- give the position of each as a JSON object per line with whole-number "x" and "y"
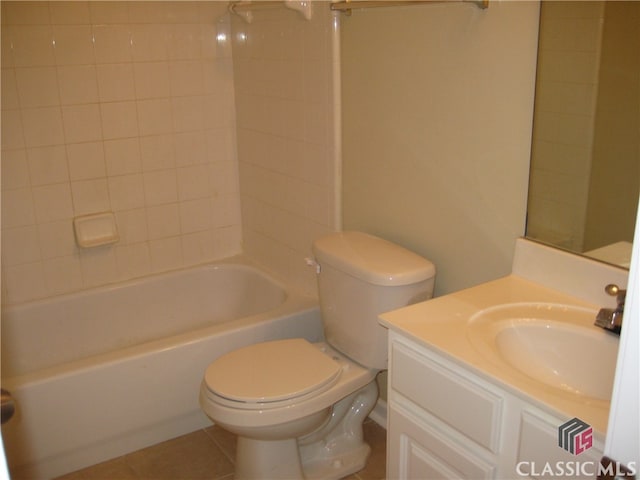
{"x": 585, "y": 160}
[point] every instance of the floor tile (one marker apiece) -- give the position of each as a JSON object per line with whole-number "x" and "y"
{"x": 116, "y": 469}
{"x": 207, "y": 454}
{"x": 193, "y": 456}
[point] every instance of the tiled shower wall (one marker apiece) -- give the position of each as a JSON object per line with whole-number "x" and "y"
{"x": 285, "y": 71}
{"x": 115, "y": 106}
{"x": 130, "y": 107}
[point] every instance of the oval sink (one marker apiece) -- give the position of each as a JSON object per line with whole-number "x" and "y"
{"x": 556, "y": 345}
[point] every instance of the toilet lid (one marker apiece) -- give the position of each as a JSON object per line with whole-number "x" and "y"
{"x": 271, "y": 371}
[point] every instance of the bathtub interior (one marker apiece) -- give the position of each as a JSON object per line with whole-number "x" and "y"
{"x": 62, "y": 329}
{"x": 98, "y": 407}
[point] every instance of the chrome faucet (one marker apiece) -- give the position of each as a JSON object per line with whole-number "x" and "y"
{"x": 608, "y": 318}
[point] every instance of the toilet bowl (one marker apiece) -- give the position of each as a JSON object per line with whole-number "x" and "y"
{"x": 298, "y": 407}
{"x": 295, "y": 406}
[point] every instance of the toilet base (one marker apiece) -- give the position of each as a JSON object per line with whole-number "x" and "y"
{"x": 333, "y": 451}
{"x": 257, "y": 458}
{"x": 338, "y": 449}
{"x": 339, "y": 466}
{"x": 273, "y": 459}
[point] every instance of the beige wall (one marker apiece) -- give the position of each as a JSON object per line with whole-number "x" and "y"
{"x": 121, "y": 106}
{"x": 285, "y": 102}
{"x": 437, "y": 109}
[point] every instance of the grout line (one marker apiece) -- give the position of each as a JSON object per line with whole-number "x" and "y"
{"x": 211, "y": 434}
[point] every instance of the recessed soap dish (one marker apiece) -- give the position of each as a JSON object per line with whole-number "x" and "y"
{"x": 95, "y": 229}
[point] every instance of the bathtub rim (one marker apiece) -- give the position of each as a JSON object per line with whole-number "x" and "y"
{"x": 294, "y": 301}
{"x": 239, "y": 260}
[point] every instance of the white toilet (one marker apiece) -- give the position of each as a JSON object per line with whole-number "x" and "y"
{"x": 298, "y": 407}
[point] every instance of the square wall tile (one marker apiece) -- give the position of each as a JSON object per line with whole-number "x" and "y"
{"x": 62, "y": 275}
{"x": 193, "y": 182}
{"x": 133, "y": 260}
{"x": 23, "y": 282}
{"x": 77, "y": 84}
{"x": 116, "y": 82}
{"x": 122, "y": 156}
{"x": 48, "y": 165}
{"x": 86, "y": 160}
{"x": 160, "y": 187}
{"x": 37, "y": 87}
{"x": 199, "y": 246}
{"x": 157, "y": 152}
{"x": 25, "y": 13}
{"x": 132, "y": 226}
{"x": 18, "y": 208}
{"x": 9, "y": 89}
{"x": 149, "y": 43}
{"x": 15, "y": 170}
{"x": 126, "y": 192}
{"x": 109, "y": 12}
{"x": 70, "y": 12}
{"x": 196, "y": 215}
{"x": 98, "y": 266}
{"x": 82, "y": 123}
{"x": 166, "y": 254}
{"x": 163, "y": 221}
{"x": 187, "y": 113}
{"x": 43, "y": 126}
{"x": 90, "y": 196}
{"x": 152, "y": 80}
{"x": 20, "y": 245}
{"x": 112, "y": 43}
{"x": 186, "y": 78}
{"x": 74, "y": 45}
{"x": 13, "y": 136}
{"x": 119, "y": 120}
{"x": 52, "y": 202}
{"x": 31, "y": 46}
{"x": 190, "y": 148}
{"x": 57, "y": 239}
{"x": 154, "y": 116}
{"x": 183, "y": 43}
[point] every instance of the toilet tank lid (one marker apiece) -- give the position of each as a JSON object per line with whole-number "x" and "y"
{"x": 372, "y": 259}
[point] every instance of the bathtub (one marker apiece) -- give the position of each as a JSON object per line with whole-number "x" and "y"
{"x": 103, "y": 372}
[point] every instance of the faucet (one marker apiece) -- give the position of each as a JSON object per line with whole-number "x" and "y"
{"x": 608, "y": 318}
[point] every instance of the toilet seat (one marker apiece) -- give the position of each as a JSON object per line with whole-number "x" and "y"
{"x": 270, "y": 374}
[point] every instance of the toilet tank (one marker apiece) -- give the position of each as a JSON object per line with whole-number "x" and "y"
{"x": 361, "y": 276}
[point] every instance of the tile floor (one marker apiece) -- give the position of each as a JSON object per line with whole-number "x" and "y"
{"x": 207, "y": 454}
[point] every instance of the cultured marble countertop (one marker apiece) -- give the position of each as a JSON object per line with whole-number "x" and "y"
{"x": 440, "y": 324}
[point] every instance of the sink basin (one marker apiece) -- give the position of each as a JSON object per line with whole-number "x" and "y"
{"x": 555, "y": 345}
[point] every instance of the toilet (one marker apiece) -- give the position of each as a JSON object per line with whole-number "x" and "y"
{"x": 297, "y": 407}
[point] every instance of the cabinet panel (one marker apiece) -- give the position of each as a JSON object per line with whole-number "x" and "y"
{"x": 539, "y": 452}
{"x": 447, "y": 395}
{"x": 419, "y": 451}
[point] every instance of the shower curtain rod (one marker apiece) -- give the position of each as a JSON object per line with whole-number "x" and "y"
{"x": 347, "y": 6}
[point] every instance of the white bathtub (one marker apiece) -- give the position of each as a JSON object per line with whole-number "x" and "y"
{"x": 107, "y": 371}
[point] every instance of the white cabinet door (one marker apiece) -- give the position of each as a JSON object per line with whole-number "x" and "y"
{"x": 418, "y": 451}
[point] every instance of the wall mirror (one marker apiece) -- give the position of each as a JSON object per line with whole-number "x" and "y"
{"x": 585, "y": 161}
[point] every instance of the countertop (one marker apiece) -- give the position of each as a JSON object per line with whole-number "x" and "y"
{"x": 440, "y": 324}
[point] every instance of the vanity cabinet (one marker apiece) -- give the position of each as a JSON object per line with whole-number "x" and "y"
{"x": 446, "y": 422}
